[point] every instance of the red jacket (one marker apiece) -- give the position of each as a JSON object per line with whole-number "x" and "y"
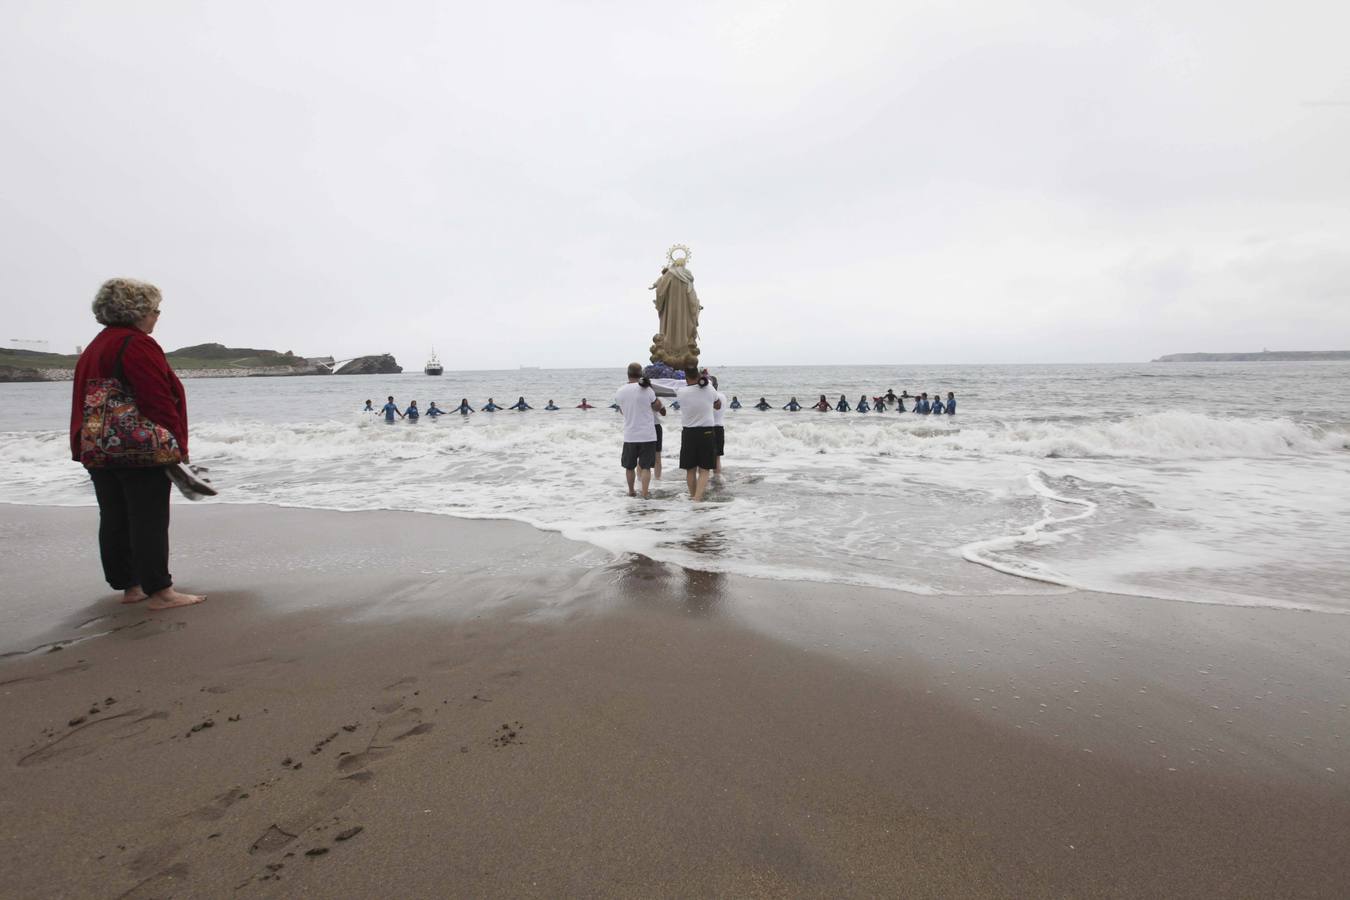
{"x": 158, "y": 392}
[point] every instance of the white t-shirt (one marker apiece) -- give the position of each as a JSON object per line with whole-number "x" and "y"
{"x": 719, "y": 413}
{"x": 639, "y": 419}
{"x": 696, "y": 405}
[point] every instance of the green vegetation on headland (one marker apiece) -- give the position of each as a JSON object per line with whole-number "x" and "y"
{"x": 1263, "y": 356}
{"x": 205, "y": 359}
{"x": 218, "y": 356}
{"x": 201, "y": 356}
{"x": 29, "y": 359}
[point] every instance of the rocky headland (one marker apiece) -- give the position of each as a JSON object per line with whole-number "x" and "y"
{"x": 19, "y": 373}
{"x": 200, "y": 361}
{"x": 1262, "y": 356}
{"x": 384, "y": 364}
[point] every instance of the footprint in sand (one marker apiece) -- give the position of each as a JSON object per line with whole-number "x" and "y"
{"x": 264, "y": 664}
{"x": 164, "y": 883}
{"x": 404, "y": 724}
{"x": 159, "y": 854}
{"x": 219, "y": 805}
{"x": 31, "y": 679}
{"x": 274, "y": 838}
{"x": 405, "y": 681}
{"x": 323, "y": 804}
{"x": 161, "y": 628}
{"x": 421, "y": 728}
{"x": 326, "y": 802}
{"x": 93, "y": 735}
{"x": 334, "y": 796}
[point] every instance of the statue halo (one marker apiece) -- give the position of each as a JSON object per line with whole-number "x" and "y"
{"x": 671, "y": 259}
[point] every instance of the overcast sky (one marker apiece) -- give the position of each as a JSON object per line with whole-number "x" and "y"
{"x": 880, "y": 183}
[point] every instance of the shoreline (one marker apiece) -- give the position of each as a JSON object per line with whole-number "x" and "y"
{"x": 668, "y": 731}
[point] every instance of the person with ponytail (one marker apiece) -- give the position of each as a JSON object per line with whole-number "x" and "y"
{"x": 719, "y": 422}
{"x": 640, "y": 406}
{"x": 698, "y": 439}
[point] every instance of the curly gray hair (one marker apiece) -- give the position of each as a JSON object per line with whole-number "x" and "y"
{"x": 125, "y": 301}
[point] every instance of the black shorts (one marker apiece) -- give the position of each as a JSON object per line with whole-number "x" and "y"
{"x": 639, "y": 454}
{"x": 698, "y": 448}
{"x": 660, "y": 441}
{"x": 721, "y": 432}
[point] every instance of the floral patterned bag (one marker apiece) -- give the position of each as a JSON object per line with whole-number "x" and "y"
{"x": 114, "y": 434}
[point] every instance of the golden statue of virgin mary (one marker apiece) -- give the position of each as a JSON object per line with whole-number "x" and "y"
{"x": 677, "y": 304}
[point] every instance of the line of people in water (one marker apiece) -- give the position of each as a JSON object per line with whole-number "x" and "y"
{"x": 922, "y": 405}
{"x": 391, "y": 411}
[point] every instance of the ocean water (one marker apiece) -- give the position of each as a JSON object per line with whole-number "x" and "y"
{"x": 1215, "y": 483}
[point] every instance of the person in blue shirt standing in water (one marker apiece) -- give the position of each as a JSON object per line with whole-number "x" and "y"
{"x": 735, "y": 404}
{"x": 951, "y": 403}
{"x": 763, "y": 405}
{"x": 552, "y": 407}
{"x": 792, "y": 405}
{"x": 863, "y": 405}
{"x": 369, "y": 407}
{"x": 842, "y": 405}
{"x": 520, "y": 405}
{"x": 464, "y": 408}
{"x": 390, "y": 410}
{"x": 433, "y": 412}
{"x": 937, "y": 408}
{"x": 491, "y": 406}
{"x": 923, "y": 407}
{"x": 412, "y": 414}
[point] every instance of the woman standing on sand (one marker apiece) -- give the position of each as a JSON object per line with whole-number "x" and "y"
{"x": 123, "y": 362}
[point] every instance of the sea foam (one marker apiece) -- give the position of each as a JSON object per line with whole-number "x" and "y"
{"x": 890, "y": 500}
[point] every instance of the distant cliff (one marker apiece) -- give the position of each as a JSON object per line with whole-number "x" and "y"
{"x": 198, "y": 361}
{"x": 1263, "y": 356}
{"x": 218, "y": 356}
{"x": 18, "y": 373}
{"x": 371, "y": 365}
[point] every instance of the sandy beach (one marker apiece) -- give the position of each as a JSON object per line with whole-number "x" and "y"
{"x": 388, "y": 704}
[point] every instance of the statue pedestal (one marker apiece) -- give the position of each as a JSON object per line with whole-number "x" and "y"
{"x": 661, "y": 370}
{"x": 665, "y": 379}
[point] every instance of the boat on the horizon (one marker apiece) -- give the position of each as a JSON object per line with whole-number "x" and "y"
{"x": 433, "y": 366}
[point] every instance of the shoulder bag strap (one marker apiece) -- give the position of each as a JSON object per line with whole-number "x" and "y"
{"x": 118, "y": 372}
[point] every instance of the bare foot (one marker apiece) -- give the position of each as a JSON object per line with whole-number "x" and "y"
{"x": 171, "y": 599}
{"x": 133, "y": 595}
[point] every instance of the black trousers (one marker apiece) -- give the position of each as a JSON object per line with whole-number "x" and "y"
{"x": 133, "y": 527}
